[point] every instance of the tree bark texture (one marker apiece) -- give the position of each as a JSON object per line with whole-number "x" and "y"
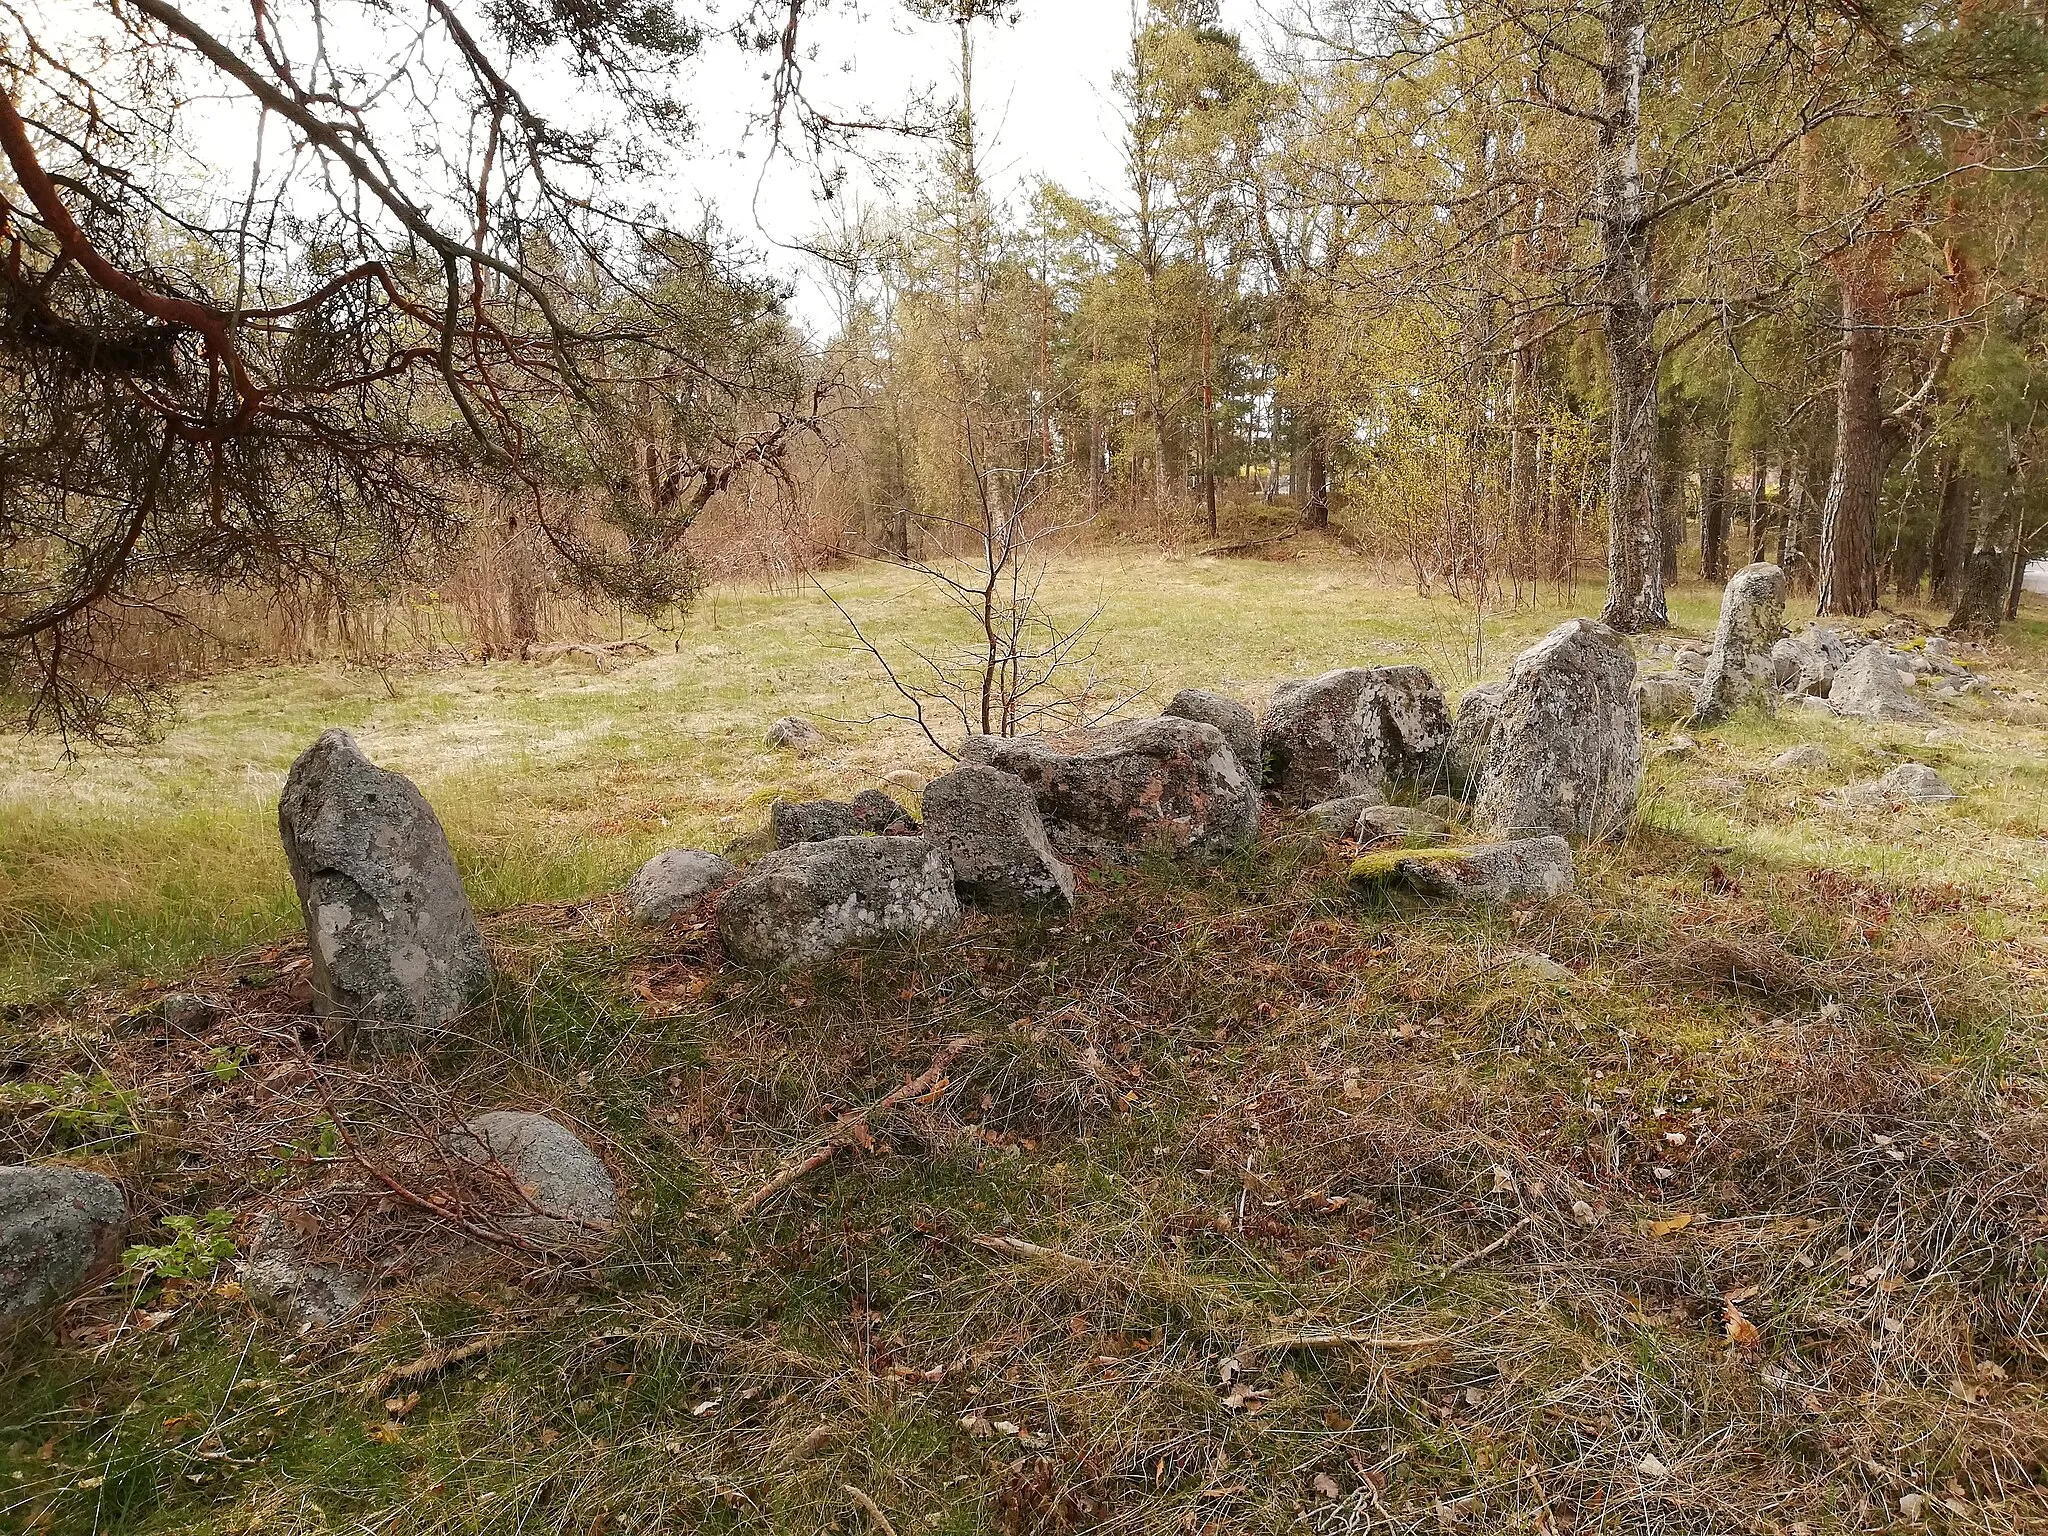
{"x": 1847, "y": 566}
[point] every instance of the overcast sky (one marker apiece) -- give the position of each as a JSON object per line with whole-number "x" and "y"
{"x": 1042, "y": 100}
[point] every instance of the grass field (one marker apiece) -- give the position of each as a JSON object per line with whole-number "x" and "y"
{"x": 1707, "y": 1199}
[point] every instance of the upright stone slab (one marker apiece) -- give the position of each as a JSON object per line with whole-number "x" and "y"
{"x": 1741, "y": 670}
{"x": 1471, "y": 733}
{"x": 1565, "y": 757}
{"x": 59, "y": 1227}
{"x": 1166, "y": 786}
{"x": 1240, "y": 727}
{"x": 987, "y": 822}
{"x": 1353, "y": 730}
{"x": 1869, "y": 687}
{"x": 811, "y": 900}
{"x": 395, "y": 948}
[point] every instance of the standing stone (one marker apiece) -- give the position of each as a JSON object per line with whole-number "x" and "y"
{"x": 1166, "y": 786}
{"x": 1356, "y": 729}
{"x": 1741, "y": 671}
{"x": 1477, "y": 711}
{"x": 1566, "y": 753}
{"x": 395, "y": 948}
{"x": 59, "y": 1228}
{"x": 670, "y": 882}
{"x": 1240, "y": 727}
{"x": 549, "y": 1187}
{"x": 987, "y": 822}
{"x": 1869, "y": 687}
{"x": 811, "y": 900}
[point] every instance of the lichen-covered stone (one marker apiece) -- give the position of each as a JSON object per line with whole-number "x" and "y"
{"x": 1663, "y": 697}
{"x": 1166, "y": 785}
{"x": 59, "y": 1229}
{"x": 1804, "y": 758}
{"x": 1804, "y": 665}
{"x": 987, "y": 823}
{"x": 1740, "y": 670}
{"x": 1381, "y": 824}
{"x": 1353, "y": 730}
{"x": 811, "y": 900}
{"x": 871, "y": 813}
{"x": 543, "y": 1183}
{"x": 301, "y": 1292}
{"x": 1917, "y": 784}
{"x": 395, "y": 948}
{"x": 674, "y": 881}
{"x": 1240, "y": 727}
{"x": 1565, "y": 756}
{"x": 1527, "y": 869}
{"x": 1339, "y": 817}
{"x": 1470, "y": 734}
{"x": 1869, "y": 687}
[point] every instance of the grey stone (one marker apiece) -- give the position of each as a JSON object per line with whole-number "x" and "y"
{"x": 1240, "y": 727}
{"x": 1352, "y": 730}
{"x": 1663, "y": 697}
{"x": 300, "y": 1292}
{"x": 1679, "y": 746}
{"x": 1566, "y": 754}
{"x": 811, "y": 900}
{"x": 1806, "y": 757}
{"x": 1805, "y": 664}
{"x": 870, "y": 812}
{"x": 1692, "y": 663}
{"x": 1527, "y": 869}
{"x": 1379, "y": 824}
{"x": 795, "y": 734}
{"x": 59, "y": 1229}
{"x": 1477, "y": 711}
{"x": 1166, "y": 785}
{"x": 672, "y": 882}
{"x": 987, "y": 823}
{"x": 1940, "y": 650}
{"x": 551, "y": 1188}
{"x": 1869, "y": 687}
{"x": 1741, "y": 670}
{"x": 188, "y": 1010}
{"x": 395, "y": 948}
{"x": 1916, "y": 783}
{"x": 1339, "y": 817}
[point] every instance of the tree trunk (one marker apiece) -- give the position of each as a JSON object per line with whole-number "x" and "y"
{"x": 1714, "y": 504}
{"x": 1792, "y": 519}
{"x": 1848, "y": 525}
{"x": 1951, "y": 544}
{"x": 1759, "y": 469}
{"x": 1316, "y": 509}
{"x": 1635, "y": 563}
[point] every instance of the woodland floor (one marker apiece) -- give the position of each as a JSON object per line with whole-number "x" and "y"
{"x": 1711, "y": 1198}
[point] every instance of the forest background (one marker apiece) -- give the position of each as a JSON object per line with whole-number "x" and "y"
{"x": 1509, "y": 296}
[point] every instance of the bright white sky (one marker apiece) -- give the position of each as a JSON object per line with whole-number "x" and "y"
{"x": 1042, "y": 101}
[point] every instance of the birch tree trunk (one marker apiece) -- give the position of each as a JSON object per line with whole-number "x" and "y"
{"x": 1635, "y": 564}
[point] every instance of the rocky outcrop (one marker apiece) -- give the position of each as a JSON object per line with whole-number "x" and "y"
{"x": 60, "y": 1228}
{"x": 395, "y": 948}
{"x": 1240, "y": 727}
{"x": 1527, "y": 869}
{"x": 1167, "y": 786}
{"x": 541, "y": 1181}
{"x": 987, "y": 823}
{"x": 1871, "y": 686}
{"x": 1357, "y": 729}
{"x": 811, "y": 900}
{"x": 674, "y": 882}
{"x": 1740, "y": 670}
{"x": 871, "y": 813}
{"x": 1565, "y": 755}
